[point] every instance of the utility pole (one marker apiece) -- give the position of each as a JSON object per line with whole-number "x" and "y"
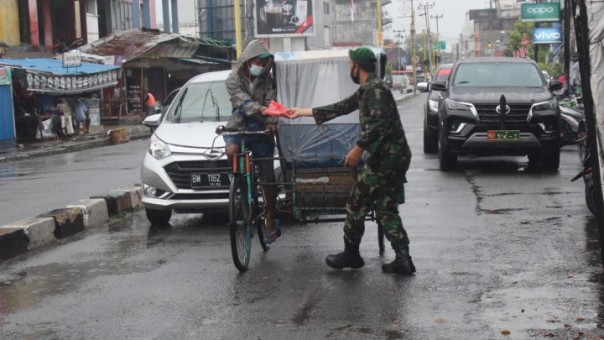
{"x": 399, "y": 35}
{"x": 437, "y": 35}
{"x": 414, "y": 46}
{"x": 238, "y": 39}
{"x": 380, "y": 37}
{"x": 426, "y": 8}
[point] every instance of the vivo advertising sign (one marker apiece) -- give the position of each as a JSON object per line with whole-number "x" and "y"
{"x": 547, "y": 36}
{"x": 549, "y": 11}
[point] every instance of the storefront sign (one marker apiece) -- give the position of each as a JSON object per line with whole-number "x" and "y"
{"x": 547, "y": 35}
{"x": 72, "y": 59}
{"x": 5, "y": 76}
{"x": 291, "y": 18}
{"x": 50, "y": 83}
{"x": 549, "y": 11}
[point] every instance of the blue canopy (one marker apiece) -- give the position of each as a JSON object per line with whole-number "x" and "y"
{"x": 49, "y": 76}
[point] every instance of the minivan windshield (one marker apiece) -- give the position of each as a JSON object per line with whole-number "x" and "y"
{"x": 199, "y": 102}
{"x": 498, "y": 75}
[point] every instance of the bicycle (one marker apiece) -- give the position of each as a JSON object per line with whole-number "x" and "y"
{"x": 245, "y": 208}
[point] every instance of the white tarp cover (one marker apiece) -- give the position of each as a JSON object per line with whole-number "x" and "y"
{"x": 595, "y": 16}
{"x": 311, "y": 79}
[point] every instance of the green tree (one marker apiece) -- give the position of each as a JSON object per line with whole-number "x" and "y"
{"x": 522, "y": 30}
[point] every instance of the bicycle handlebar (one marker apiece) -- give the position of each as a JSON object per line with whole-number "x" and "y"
{"x": 221, "y": 131}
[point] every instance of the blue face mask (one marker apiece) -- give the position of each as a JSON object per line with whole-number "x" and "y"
{"x": 255, "y": 70}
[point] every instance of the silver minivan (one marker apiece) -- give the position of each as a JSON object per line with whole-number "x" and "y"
{"x": 185, "y": 168}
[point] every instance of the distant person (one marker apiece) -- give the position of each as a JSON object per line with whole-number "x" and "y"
{"x": 150, "y": 102}
{"x": 81, "y": 116}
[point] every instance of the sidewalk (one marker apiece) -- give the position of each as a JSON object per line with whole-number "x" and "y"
{"x": 51, "y": 146}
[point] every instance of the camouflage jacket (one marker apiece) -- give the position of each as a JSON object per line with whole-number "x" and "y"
{"x": 382, "y": 133}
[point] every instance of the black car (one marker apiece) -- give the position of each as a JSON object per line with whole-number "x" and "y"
{"x": 498, "y": 106}
{"x": 431, "y": 111}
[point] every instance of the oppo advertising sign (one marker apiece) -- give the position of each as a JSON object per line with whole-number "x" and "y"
{"x": 549, "y": 11}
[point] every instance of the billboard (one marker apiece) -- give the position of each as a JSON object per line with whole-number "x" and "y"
{"x": 547, "y": 35}
{"x": 291, "y": 18}
{"x": 548, "y": 11}
{"x": 483, "y": 14}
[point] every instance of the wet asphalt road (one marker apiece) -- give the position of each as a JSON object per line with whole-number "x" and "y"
{"x": 33, "y": 186}
{"x": 502, "y": 252}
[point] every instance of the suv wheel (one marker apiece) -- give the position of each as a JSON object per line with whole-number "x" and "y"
{"x": 447, "y": 159}
{"x": 550, "y": 158}
{"x": 158, "y": 217}
{"x": 430, "y": 140}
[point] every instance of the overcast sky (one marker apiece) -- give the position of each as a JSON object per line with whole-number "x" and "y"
{"x": 449, "y": 26}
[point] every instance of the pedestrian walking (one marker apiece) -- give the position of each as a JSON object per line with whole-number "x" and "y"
{"x": 82, "y": 117}
{"x": 381, "y": 179}
{"x": 251, "y": 88}
{"x": 150, "y": 102}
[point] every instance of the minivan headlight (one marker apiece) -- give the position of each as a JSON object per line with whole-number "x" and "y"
{"x": 158, "y": 149}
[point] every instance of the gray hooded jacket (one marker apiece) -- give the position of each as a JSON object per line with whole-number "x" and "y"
{"x": 246, "y": 96}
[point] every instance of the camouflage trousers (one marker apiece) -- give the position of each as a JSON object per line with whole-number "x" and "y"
{"x": 373, "y": 190}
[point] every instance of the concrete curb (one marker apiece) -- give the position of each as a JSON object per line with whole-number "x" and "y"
{"x": 405, "y": 97}
{"x": 19, "y": 237}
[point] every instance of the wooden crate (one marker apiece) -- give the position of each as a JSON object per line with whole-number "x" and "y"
{"x": 322, "y": 189}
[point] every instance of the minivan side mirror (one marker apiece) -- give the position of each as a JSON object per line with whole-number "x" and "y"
{"x": 555, "y": 85}
{"x": 440, "y": 85}
{"x": 152, "y": 120}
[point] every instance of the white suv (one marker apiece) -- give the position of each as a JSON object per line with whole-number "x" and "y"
{"x": 185, "y": 168}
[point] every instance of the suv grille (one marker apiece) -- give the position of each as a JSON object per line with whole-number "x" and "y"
{"x": 518, "y": 113}
{"x": 180, "y": 172}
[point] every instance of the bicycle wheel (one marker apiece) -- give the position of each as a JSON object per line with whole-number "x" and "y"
{"x": 260, "y": 223}
{"x": 239, "y": 222}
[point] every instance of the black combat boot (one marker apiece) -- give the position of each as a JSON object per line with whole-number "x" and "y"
{"x": 402, "y": 264}
{"x": 349, "y": 258}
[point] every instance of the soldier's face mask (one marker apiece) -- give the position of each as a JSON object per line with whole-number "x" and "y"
{"x": 355, "y": 75}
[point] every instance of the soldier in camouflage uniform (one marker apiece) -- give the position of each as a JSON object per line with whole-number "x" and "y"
{"x": 381, "y": 180}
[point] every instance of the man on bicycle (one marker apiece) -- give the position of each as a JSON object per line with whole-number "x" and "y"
{"x": 381, "y": 180}
{"x": 251, "y": 87}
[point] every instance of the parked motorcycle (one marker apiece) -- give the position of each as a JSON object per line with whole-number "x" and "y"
{"x": 593, "y": 201}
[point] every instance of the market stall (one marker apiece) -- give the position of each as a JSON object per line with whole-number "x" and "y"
{"x": 45, "y": 87}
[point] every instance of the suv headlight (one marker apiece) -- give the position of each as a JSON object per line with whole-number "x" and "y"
{"x": 433, "y": 105}
{"x": 158, "y": 149}
{"x": 542, "y": 106}
{"x": 461, "y": 106}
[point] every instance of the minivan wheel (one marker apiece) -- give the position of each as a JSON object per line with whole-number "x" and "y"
{"x": 447, "y": 159}
{"x": 158, "y": 217}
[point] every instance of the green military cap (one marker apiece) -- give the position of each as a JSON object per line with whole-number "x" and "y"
{"x": 264, "y": 55}
{"x": 362, "y": 54}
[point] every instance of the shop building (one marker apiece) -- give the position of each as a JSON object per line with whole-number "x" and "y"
{"x": 43, "y": 87}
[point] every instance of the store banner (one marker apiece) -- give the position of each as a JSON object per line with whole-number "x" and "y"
{"x": 548, "y": 11}
{"x": 547, "y": 35}
{"x": 50, "y": 83}
{"x": 290, "y": 18}
{"x": 5, "y": 76}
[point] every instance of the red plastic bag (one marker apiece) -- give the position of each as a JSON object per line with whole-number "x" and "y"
{"x": 276, "y": 109}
